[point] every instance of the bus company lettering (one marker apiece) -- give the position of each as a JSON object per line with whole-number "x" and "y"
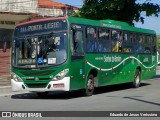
{"x": 111, "y": 26}
{"x": 146, "y": 60}
{"x": 112, "y": 59}
{"x": 109, "y": 59}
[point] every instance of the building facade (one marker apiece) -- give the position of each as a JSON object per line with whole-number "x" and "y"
{"x": 13, "y": 12}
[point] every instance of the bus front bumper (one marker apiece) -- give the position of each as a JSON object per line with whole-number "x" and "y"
{"x": 61, "y": 85}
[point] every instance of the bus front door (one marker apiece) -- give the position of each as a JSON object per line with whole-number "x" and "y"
{"x": 77, "y": 80}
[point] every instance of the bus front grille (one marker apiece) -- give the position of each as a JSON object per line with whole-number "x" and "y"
{"x": 37, "y": 73}
{"x": 34, "y": 79}
{"x": 41, "y": 85}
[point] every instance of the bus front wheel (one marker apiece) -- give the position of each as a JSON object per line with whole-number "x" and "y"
{"x": 90, "y": 86}
{"x": 137, "y": 79}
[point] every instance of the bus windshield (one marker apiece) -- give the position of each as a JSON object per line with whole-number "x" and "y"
{"x": 41, "y": 49}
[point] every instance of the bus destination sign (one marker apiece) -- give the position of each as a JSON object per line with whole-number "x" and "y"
{"x": 41, "y": 27}
{"x": 46, "y": 26}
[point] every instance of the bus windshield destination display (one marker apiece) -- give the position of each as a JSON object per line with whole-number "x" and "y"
{"x": 45, "y": 26}
{"x": 40, "y": 27}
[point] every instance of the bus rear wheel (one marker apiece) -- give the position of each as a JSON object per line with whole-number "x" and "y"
{"x": 137, "y": 79}
{"x": 90, "y": 86}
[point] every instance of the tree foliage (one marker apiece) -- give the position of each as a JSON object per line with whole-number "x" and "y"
{"x": 122, "y": 10}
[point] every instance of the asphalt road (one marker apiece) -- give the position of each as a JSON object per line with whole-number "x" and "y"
{"x": 110, "y": 98}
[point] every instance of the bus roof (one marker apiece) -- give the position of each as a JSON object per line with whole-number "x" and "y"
{"x": 41, "y": 20}
{"x": 110, "y": 24}
{"x": 113, "y": 24}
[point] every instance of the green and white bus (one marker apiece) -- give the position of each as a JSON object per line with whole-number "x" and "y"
{"x": 69, "y": 53}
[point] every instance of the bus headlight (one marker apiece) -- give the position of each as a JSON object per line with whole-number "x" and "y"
{"x": 16, "y": 77}
{"x": 61, "y": 75}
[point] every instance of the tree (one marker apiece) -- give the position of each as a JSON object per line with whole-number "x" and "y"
{"x": 122, "y": 10}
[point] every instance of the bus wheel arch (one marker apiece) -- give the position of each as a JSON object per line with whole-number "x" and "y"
{"x": 137, "y": 77}
{"x": 94, "y": 72}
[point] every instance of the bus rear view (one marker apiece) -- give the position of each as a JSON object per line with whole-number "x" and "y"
{"x": 39, "y": 56}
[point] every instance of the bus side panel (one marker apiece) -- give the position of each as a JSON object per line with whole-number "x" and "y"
{"x": 149, "y": 68}
{"x": 120, "y": 72}
{"x": 123, "y": 68}
{"x": 111, "y": 68}
{"x": 103, "y": 65}
{"x": 77, "y": 74}
{"x": 120, "y": 68}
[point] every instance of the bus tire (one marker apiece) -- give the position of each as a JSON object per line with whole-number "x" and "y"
{"x": 42, "y": 94}
{"x": 137, "y": 79}
{"x": 90, "y": 86}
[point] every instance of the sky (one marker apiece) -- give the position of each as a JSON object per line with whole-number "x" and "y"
{"x": 151, "y": 22}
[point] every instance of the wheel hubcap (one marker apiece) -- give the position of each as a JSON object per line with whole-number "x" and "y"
{"x": 90, "y": 84}
{"x": 137, "y": 79}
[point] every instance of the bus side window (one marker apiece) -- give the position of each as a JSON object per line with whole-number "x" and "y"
{"x": 114, "y": 38}
{"x": 145, "y": 44}
{"x": 120, "y": 42}
{"x": 128, "y": 42}
{"x": 104, "y": 42}
{"x": 137, "y": 45}
{"x": 140, "y": 42}
{"x": 132, "y": 44}
{"x": 77, "y": 42}
{"x": 91, "y": 40}
{"x": 153, "y": 44}
{"x": 126, "y": 46}
{"x": 117, "y": 41}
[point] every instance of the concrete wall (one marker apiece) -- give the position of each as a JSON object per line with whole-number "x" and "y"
{"x": 55, "y": 12}
{"x": 19, "y": 6}
{"x": 5, "y": 52}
